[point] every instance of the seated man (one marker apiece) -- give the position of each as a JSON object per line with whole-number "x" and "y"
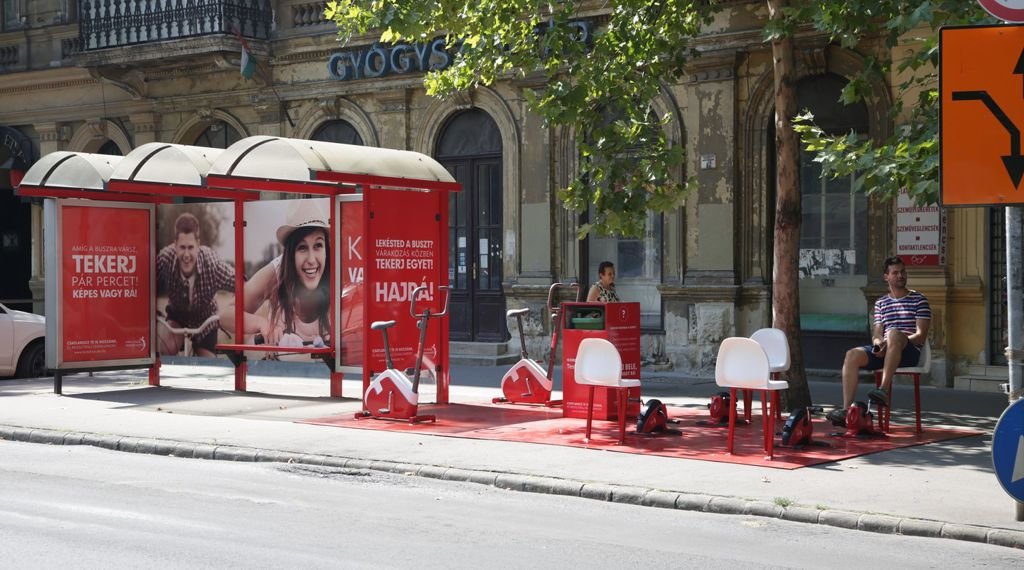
{"x": 901, "y": 328}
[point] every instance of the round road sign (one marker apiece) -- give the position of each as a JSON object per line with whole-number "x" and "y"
{"x": 1008, "y": 450}
{"x": 1006, "y": 10}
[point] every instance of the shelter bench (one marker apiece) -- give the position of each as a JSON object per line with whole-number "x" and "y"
{"x": 236, "y": 354}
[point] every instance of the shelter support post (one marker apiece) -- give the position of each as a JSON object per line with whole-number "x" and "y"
{"x": 241, "y": 366}
{"x": 333, "y": 304}
{"x": 336, "y": 384}
{"x": 240, "y": 370}
{"x": 58, "y": 382}
{"x": 154, "y": 372}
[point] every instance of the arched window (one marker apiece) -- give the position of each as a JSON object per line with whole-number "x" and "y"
{"x": 218, "y": 135}
{"x": 337, "y": 131}
{"x": 637, "y": 262}
{"x": 110, "y": 148}
{"x": 833, "y": 234}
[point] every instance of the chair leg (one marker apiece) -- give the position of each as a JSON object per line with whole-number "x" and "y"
{"x": 917, "y": 400}
{"x": 888, "y": 409}
{"x": 770, "y": 434}
{"x": 622, "y": 416}
{"x": 764, "y": 419}
{"x": 775, "y": 396}
{"x": 883, "y": 411}
{"x": 590, "y": 414}
{"x": 748, "y": 395}
{"x": 732, "y": 420}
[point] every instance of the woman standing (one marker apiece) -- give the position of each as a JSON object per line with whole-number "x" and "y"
{"x": 603, "y": 291}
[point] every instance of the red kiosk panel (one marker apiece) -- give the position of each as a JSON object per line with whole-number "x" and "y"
{"x": 620, "y": 324}
{"x": 406, "y": 246}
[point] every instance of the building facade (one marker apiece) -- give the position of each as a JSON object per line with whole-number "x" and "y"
{"x": 110, "y": 75}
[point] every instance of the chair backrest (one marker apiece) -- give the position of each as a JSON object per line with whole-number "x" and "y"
{"x": 742, "y": 363}
{"x": 775, "y": 345}
{"x": 924, "y": 364}
{"x": 598, "y": 363}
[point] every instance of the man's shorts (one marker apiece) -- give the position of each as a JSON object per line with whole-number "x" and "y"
{"x": 910, "y": 357}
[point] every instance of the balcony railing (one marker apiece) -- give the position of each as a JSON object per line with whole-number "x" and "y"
{"x": 113, "y": 23}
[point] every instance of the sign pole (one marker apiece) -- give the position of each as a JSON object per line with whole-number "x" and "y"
{"x": 1014, "y": 306}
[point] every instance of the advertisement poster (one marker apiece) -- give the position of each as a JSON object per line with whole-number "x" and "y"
{"x": 403, "y": 253}
{"x": 195, "y": 270}
{"x": 105, "y": 284}
{"x": 288, "y": 268}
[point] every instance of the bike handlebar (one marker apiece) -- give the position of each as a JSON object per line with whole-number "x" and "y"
{"x": 416, "y": 293}
{"x": 189, "y": 331}
{"x": 553, "y": 290}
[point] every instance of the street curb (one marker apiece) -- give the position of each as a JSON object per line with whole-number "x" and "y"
{"x": 625, "y": 494}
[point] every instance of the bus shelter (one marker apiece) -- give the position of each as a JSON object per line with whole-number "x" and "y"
{"x": 384, "y": 229}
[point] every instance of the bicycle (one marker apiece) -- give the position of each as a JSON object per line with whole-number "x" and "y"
{"x": 188, "y": 333}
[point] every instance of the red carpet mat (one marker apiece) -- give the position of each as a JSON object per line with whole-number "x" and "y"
{"x": 696, "y": 440}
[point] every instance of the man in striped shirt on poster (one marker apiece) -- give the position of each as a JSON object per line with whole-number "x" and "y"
{"x": 901, "y": 327}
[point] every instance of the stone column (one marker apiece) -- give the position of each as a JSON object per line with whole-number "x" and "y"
{"x": 52, "y": 137}
{"x": 535, "y": 204}
{"x": 145, "y": 128}
{"x": 702, "y": 311}
{"x": 393, "y": 120}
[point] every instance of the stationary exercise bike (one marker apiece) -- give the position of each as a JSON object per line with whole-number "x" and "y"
{"x": 392, "y": 395}
{"x": 526, "y": 382}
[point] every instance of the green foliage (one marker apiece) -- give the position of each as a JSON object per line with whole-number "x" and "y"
{"x": 603, "y": 89}
{"x": 909, "y": 157}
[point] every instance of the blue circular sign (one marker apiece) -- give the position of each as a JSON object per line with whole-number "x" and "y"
{"x": 1008, "y": 450}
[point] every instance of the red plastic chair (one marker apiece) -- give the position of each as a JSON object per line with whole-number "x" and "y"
{"x": 598, "y": 363}
{"x": 923, "y": 366}
{"x": 743, "y": 365}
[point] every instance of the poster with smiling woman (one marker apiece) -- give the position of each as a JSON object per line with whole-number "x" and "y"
{"x": 287, "y": 269}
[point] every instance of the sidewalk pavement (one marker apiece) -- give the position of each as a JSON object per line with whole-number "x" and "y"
{"x": 946, "y": 489}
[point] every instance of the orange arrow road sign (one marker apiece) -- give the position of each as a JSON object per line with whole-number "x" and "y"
{"x": 981, "y": 84}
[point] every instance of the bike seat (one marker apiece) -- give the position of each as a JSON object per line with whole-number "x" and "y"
{"x": 516, "y": 312}
{"x": 381, "y": 325}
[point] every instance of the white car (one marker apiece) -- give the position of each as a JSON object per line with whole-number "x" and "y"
{"x": 22, "y": 346}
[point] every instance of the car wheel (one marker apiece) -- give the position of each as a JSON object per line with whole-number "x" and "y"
{"x": 32, "y": 363}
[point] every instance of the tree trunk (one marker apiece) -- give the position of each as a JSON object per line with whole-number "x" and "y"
{"x": 786, "y": 275}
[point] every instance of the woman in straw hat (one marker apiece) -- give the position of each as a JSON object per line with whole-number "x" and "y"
{"x": 296, "y": 283}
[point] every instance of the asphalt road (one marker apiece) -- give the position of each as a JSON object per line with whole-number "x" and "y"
{"x": 82, "y": 507}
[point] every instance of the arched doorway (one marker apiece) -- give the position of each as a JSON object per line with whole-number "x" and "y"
{"x": 16, "y": 156}
{"x": 470, "y": 148}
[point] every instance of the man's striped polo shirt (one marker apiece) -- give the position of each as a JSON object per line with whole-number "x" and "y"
{"x": 902, "y": 313}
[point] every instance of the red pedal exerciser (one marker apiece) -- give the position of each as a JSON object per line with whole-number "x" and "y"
{"x": 526, "y": 382}
{"x": 718, "y": 407}
{"x": 799, "y": 429}
{"x": 392, "y": 395}
{"x": 859, "y": 422}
